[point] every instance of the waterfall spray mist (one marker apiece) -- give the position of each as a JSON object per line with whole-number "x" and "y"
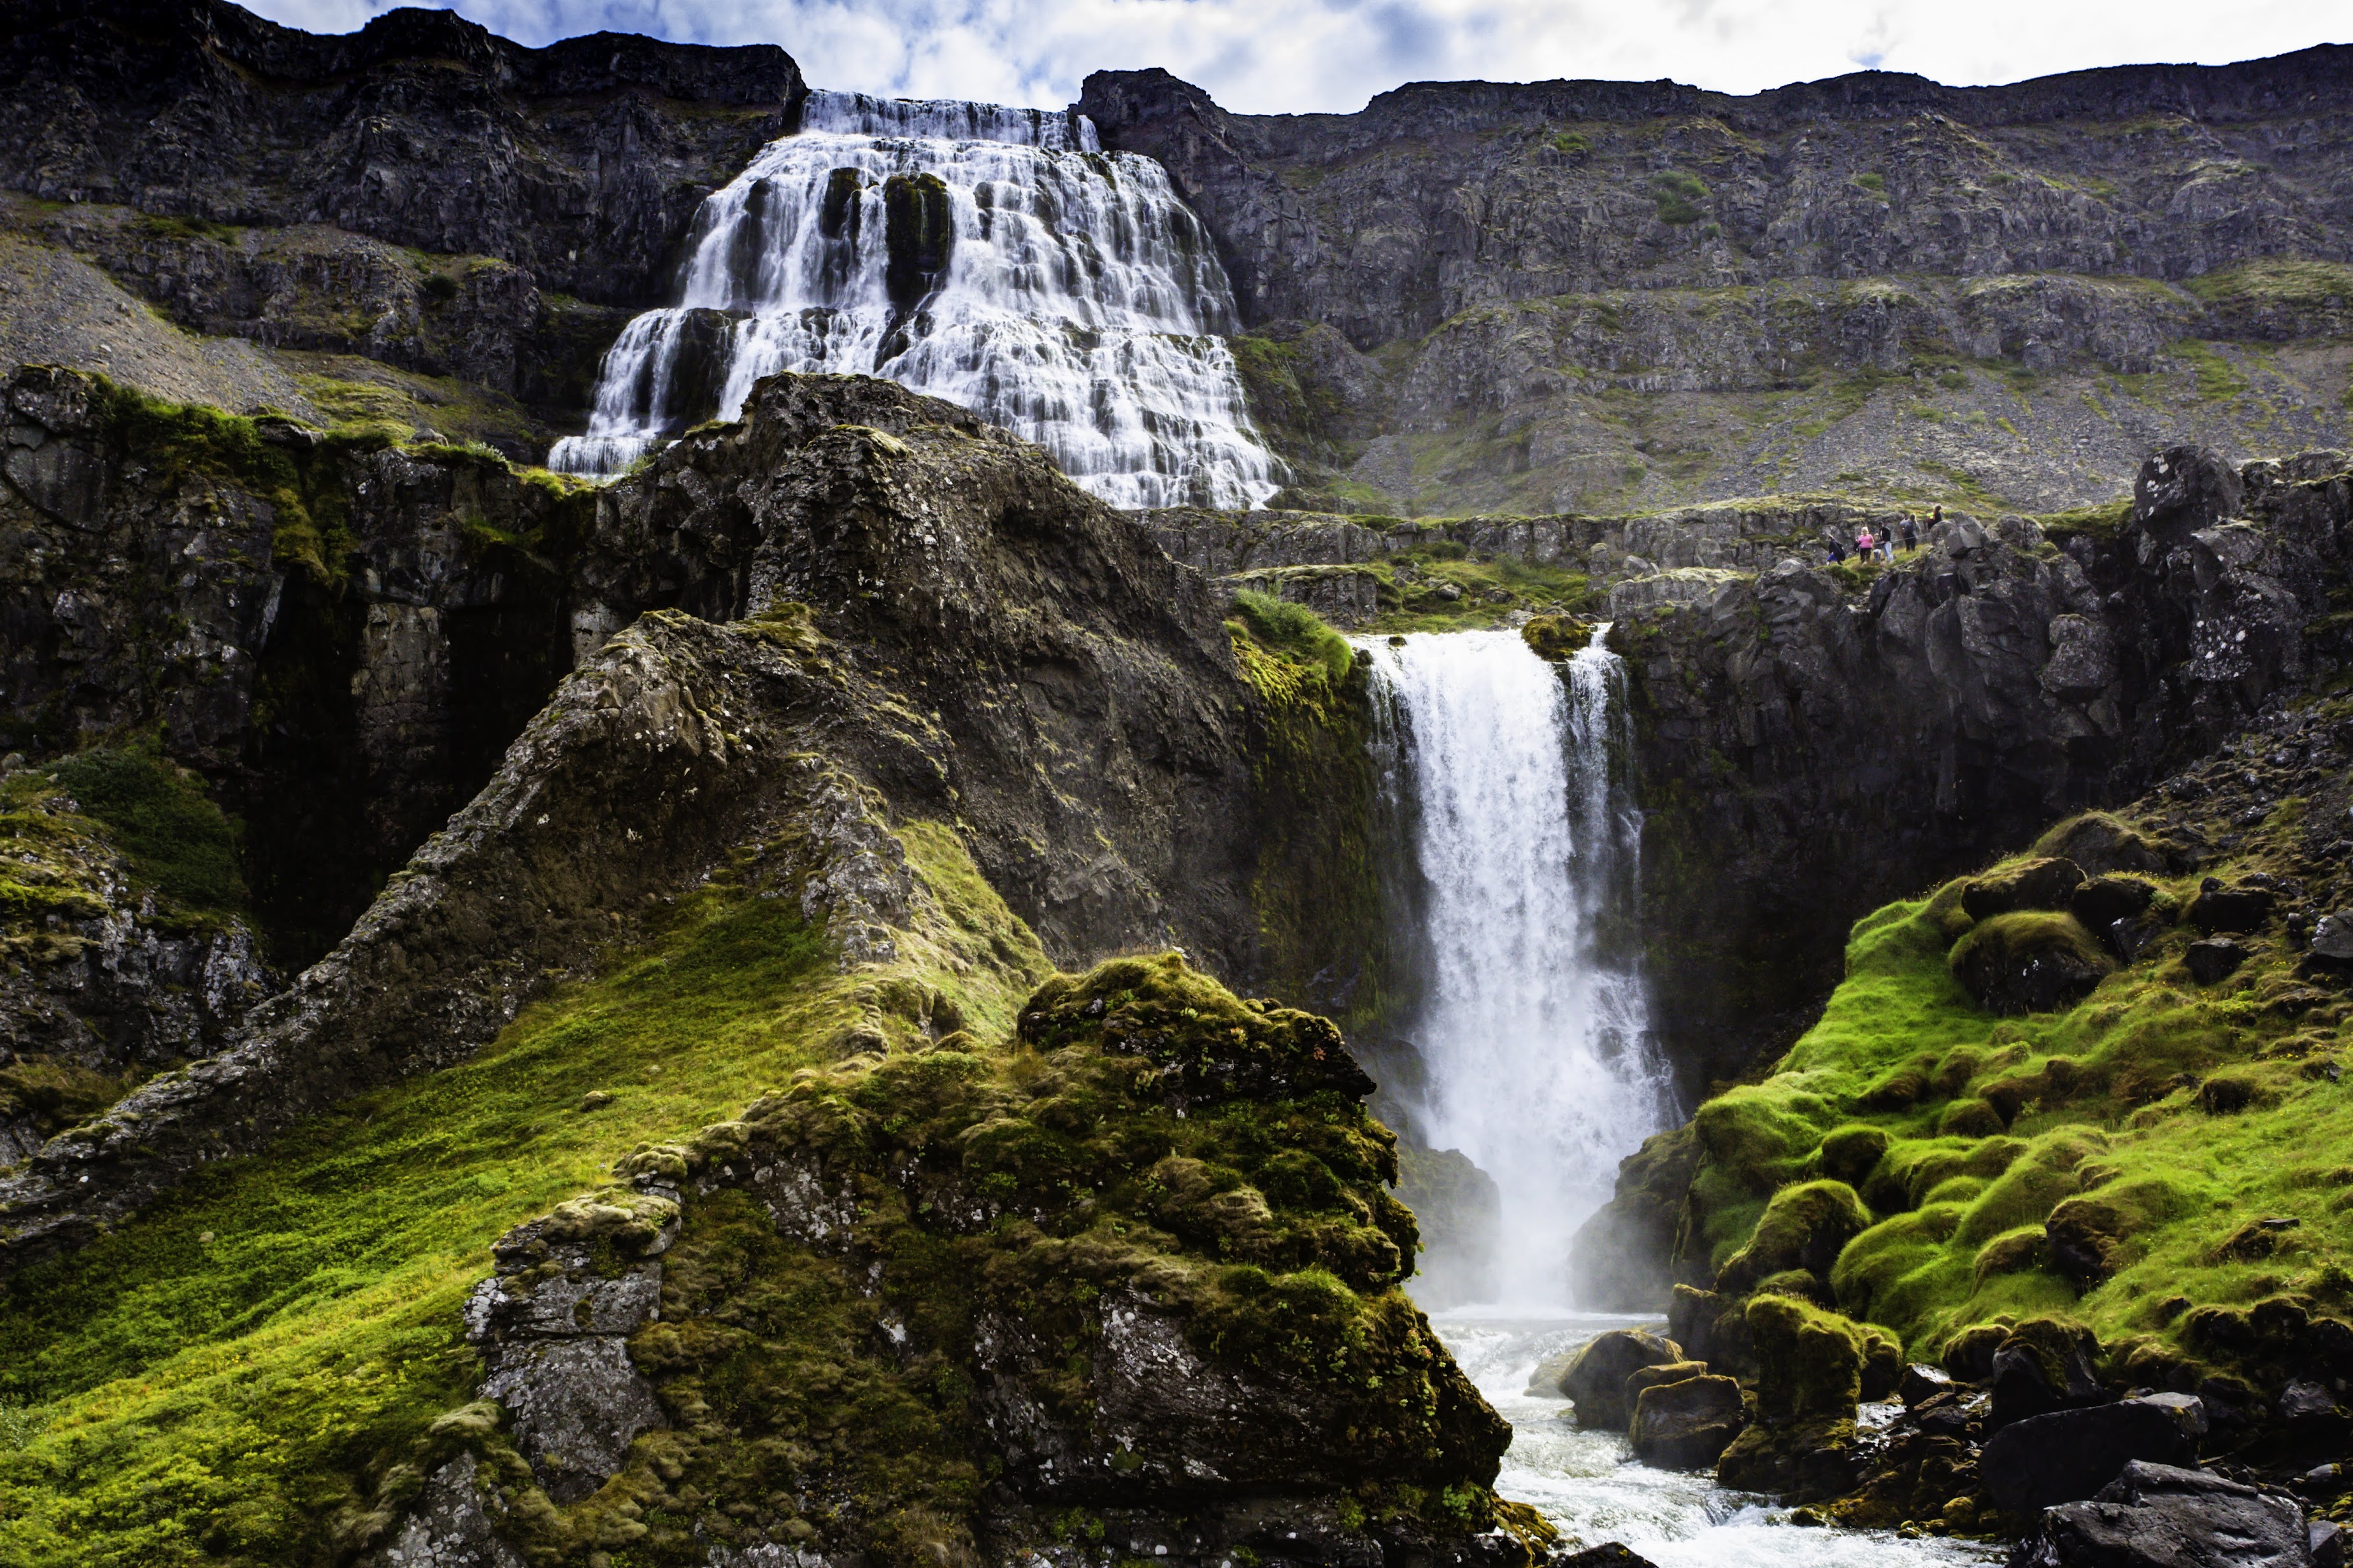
{"x": 1507, "y": 783}
{"x": 994, "y": 257}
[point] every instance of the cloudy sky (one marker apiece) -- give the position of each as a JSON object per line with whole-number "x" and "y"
{"x": 1274, "y": 57}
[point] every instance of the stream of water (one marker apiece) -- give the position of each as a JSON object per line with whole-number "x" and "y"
{"x": 1507, "y": 784}
{"x": 1590, "y": 1485}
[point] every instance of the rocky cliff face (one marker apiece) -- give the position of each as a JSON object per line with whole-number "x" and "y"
{"x": 1874, "y": 282}
{"x": 1815, "y": 742}
{"x": 256, "y": 182}
{"x": 1135, "y": 1270}
{"x": 1001, "y": 651}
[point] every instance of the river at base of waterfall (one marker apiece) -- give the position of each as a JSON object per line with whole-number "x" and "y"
{"x": 1590, "y": 1485}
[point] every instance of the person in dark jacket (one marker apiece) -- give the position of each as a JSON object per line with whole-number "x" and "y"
{"x": 1910, "y": 535}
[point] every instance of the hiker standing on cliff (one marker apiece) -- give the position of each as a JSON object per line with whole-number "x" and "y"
{"x": 1910, "y": 535}
{"x": 1863, "y": 545}
{"x": 1838, "y": 550}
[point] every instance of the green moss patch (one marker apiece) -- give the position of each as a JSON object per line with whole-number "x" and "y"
{"x": 2093, "y": 1162}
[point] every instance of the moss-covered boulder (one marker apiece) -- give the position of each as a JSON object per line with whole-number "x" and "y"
{"x": 2029, "y": 961}
{"x": 1803, "y": 1227}
{"x": 1712, "y": 1329}
{"x": 1144, "y": 1256}
{"x": 2040, "y": 884}
{"x": 1686, "y": 1423}
{"x": 1596, "y": 1378}
{"x": 2043, "y": 1363}
{"x": 2231, "y": 909}
{"x": 2089, "y": 1237}
{"x": 1810, "y": 1380}
{"x": 2103, "y": 900}
{"x": 1850, "y": 1153}
{"x": 2102, "y": 845}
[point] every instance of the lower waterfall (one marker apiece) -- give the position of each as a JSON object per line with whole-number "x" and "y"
{"x": 995, "y": 257}
{"x": 1506, "y": 781}
{"x": 1507, "y": 788}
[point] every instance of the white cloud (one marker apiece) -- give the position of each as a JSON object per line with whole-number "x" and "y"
{"x": 1298, "y": 56}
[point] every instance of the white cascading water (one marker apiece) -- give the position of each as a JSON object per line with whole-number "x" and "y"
{"x": 993, "y": 257}
{"x": 1507, "y": 776}
{"x": 1507, "y": 780}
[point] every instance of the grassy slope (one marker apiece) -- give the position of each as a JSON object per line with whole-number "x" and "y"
{"x": 2114, "y": 1099}
{"x": 232, "y": 1374}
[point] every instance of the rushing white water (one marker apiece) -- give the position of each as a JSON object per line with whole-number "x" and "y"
{"x": 1589, "y": 1484}
{"x": 994, "y": 257}
{"x": 1506, "y": 777}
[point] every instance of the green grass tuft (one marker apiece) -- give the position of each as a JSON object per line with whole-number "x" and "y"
{"x": 177, "y": 840}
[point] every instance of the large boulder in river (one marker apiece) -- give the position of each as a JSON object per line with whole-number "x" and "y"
{"x": 2065, "y": 1456}
{"x": 1686, "y": 1424}
{"x": 2031, "y": 961}
{"x": 1808, "y": 1382}
{"x": 2161, "y": 1516}
{"x": 1595, "y": 1379}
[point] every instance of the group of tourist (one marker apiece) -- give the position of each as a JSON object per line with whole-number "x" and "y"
{"x": 1867, "y": 545}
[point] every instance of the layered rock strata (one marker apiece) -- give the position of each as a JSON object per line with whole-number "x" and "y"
{"x": 1591, "y": 293}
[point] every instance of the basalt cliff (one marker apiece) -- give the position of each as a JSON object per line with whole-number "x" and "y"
{"x": 832, "y": 1000}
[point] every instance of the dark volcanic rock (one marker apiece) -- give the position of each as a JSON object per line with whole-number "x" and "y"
{"x": 1610, "y": 1554}
{"x": 2101, "y": 902}
{"x": 582, "y": 162}
{"x": 2064, "y": 1456}
{"x": 2214, "y": 960}
{"x": 1869, "y": 744}
{"x": 2158, "y": 1516}
{"x": 2044, "y": 884}
{"x": 1108, "y": 712}
{"x": 2237, "y": 910}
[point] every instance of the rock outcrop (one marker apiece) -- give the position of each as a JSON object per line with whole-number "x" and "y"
{"x": 1812, "y": 745}
{"x": 920, "y": 600}
{"x": 1246, "y": 1361}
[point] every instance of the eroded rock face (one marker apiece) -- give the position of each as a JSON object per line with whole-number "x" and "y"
{"x": 931, "y": 607}
{"x": 1873, "y": 743}
{"x": 582, "y": 162}
{"x": 1502, "y": 264}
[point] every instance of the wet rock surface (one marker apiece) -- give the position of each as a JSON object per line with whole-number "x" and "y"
{"x": 2065, "y": 1456}
{"x": 2161, "y": 1516}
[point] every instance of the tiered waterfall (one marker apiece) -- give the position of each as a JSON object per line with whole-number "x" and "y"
{"x": 996, "y": 258}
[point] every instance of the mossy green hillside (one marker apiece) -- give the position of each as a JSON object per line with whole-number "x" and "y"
{"x": 1145, "y": 1137}
{"x": 2112, "y": 1162}
{"x": 250, "y": 1371}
